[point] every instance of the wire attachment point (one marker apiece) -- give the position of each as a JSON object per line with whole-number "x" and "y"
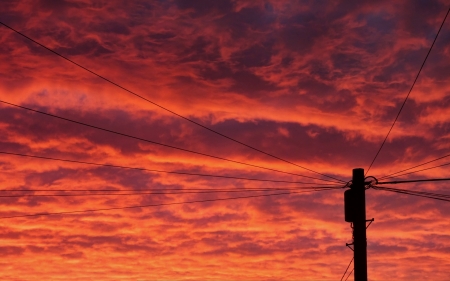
{"x": 370, "y": 222}
{"x": 349, "y": 246}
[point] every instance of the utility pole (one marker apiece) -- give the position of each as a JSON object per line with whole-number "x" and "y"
{"x": 359, "y": 225}
{"x": 355, "y": 212}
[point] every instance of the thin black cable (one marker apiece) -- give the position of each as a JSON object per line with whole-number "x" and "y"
{"x": 440, "y": 195}
{"x": 413, "y": 172}
{"x": 418, "y": 194}
{"x": 153, "y": 142}
{"x": 343, "y": 275}
{"x": 349, "y": 274}
{"x": 437, "y": 195}
{"x": 150, "y": 205}
{"x": 169, "y": 189}
{"x": 162, "y": 107}
{"x": 412, "y": 181}
{"x": 421, "y": 192}
{"x": 153, "y": 170}
{"x": 392, "y": 175}
{"x": 410, "y": 90}
{"x": 155, "y": 193}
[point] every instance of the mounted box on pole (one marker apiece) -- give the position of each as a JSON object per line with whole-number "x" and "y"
{"x": 349, "y": 205}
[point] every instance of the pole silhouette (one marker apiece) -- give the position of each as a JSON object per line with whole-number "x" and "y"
{"x": 359, "y": 225}
{"x": 355, "y": 213}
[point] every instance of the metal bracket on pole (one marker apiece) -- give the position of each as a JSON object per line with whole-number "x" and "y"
{"x": 348, "y": 245}
{"x": 370, "y": 222}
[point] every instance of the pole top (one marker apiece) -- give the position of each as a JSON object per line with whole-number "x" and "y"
{"x": 358, "y": 175}
{"x": 358, "y": 171}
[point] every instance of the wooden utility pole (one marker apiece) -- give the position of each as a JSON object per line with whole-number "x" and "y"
{"x": 355, "y": 213}
{"x": 359, "y": 225}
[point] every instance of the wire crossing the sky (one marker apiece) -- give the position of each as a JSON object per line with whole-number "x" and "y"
{"x": 160, "y": 106}
{"x": 430, "y": 195}
{"x": 410, "y": 90}
{"x": 173, "y": 189}
{"x": 343, "y": 275}
{"x": 156, "y": 143}
{"x": 434, "y": 160}
{"x": 168, "y": 192}
{"x": 421, "y": 170}
{"x": 153, "y": 170}
{"x": 349, "y": 274}
{"x": 413, "y": 181}
{"x": 154, "y": 205}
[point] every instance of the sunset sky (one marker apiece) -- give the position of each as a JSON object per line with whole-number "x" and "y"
{"x": 315, "y": 83}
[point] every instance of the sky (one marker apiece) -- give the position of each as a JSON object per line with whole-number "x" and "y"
{"x": 315, "y": 83}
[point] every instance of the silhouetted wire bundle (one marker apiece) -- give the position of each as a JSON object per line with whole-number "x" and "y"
{"x": 400, "y": 173}
{"x": 431, "y": 195}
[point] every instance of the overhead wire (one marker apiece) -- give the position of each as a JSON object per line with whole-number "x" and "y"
{"x": 154, "y": 170}
{"x": 137, "y": 193}
{"x": 349, "y": 274}
{"x": 343, "y": 275}
{"x": 413, "y": 172}
{"x": 412, "y": 181}
{"x": 150, "y": 205}
{"x": 435, "y": 196}
{"x": 156, "y": 143}
{"x": 169, "y": 189}
{"x": 162, "y": 107}
{"x": 417, "y": 192}
{"x": 410, "y": 90}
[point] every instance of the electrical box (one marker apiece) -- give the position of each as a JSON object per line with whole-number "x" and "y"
{"x": 349, "y": 205}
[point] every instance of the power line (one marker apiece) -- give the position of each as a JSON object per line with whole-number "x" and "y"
{"x": 153, "y": 142}
{"x": 153, "y": 170}
{"x": 421, "y": 170}
{"x": 157, "y": 193}
{"x": 413, "y": 172}
{"x": 410, "y": 90}
{"x": 169, "y": 189}
{"x": 162, "y": 107}
{"x": 412, "y": 181}
{"x": 149, "y": 205}
{"x": 343, "y": 275}
{"x": 349, "y": 274}
{"x": 435, "y": 196}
